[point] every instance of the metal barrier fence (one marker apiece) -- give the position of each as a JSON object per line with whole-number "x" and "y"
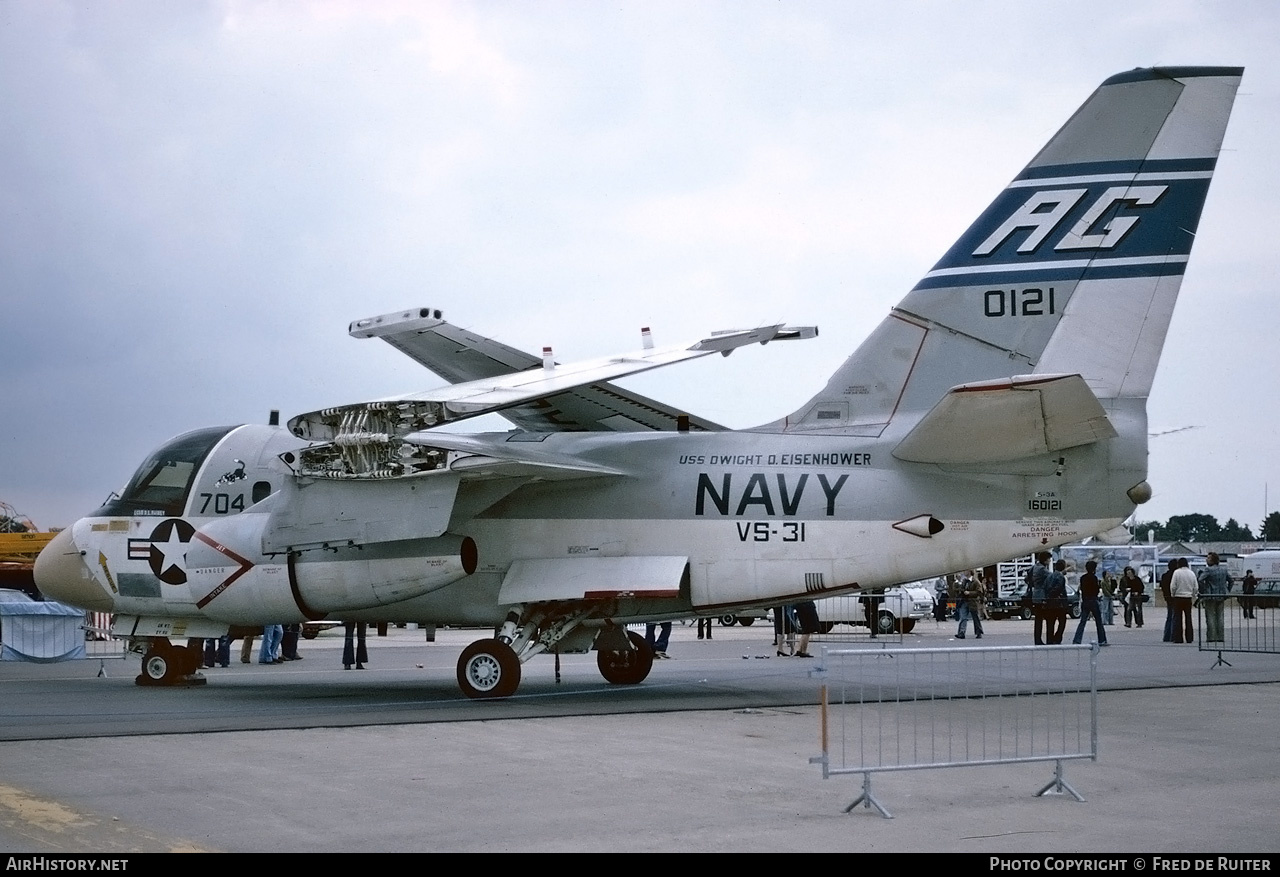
{"x": 98, "y": 642}
{"x": 911, "y": 709}
{"x": 1236, "y": 623}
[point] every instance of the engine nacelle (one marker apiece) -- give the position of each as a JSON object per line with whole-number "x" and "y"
{"x": 233, "y": 581}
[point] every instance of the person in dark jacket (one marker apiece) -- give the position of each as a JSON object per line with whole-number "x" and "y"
{"x": 1090, "y": 589}
{"x": 1036, "y": 578}
{"x": 1056, "y": 604}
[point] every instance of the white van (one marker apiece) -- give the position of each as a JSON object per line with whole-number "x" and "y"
{"x": 898, "y": 611}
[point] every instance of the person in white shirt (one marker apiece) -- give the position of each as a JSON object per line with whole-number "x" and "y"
{"x": 1184, "y": 589}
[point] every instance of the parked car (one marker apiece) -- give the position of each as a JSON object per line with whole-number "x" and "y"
{"x": 898, "y": 609}
{"x": 746, "y": 617}
{"x": 312, "y": 629}
{"x": 1267, "y": 596}
{"x": 1011, "y": 606}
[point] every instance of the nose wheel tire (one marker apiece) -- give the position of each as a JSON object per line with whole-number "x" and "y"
{"x": 158, "y": 668}
{"x": 626, "y": 667}
{"x": 488, "y": 668}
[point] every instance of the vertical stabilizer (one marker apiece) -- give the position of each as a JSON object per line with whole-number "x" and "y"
{"x": 1073, "y": 269}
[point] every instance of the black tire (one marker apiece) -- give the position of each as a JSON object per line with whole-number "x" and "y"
{"x": 190, "y": 660}
{"x": 1074, "y": 611}
{"x": 906, "y": 625}
{"x": 1027, "y": 614}
{"x": 160, "y": 665}
{"x": 885, "y": 622}
{"x": 630, "y": 667}
{"x": 825, "y": 627}
{"x": 488, "y": 668}
{"x": 728, "y": 620}
{"x": 746, "y": 621}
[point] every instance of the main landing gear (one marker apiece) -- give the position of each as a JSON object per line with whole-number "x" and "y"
{"x": 490, "y": 668}
{"x": 627, "y": 666}
{"x": 167, "y": 664}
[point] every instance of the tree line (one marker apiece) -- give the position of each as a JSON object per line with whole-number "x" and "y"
{"x": 1205, "y": 528}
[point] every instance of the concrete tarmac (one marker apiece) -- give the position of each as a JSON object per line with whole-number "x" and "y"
{"x": 1187, "y": 760}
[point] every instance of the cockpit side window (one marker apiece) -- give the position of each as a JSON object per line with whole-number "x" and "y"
{"x": 162, "y": 484}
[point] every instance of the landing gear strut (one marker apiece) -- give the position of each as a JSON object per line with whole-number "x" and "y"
{"x": 490, "y": 668}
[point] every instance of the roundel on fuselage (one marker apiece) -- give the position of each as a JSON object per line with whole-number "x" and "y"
{"x": 168, "y": 555}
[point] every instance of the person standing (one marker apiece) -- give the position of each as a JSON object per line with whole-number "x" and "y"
{"x": 353, "y": 648}
{"x": 1036, "y": 578}
{"x": 707, "y": 623}
{"x": 218, "y": 651}
{"x": 1184, "y": 588}
{"x": 1165, "y": 578}
{"x": 269, "y": 652}
{"x": 1214, "y": 581}
{"x": 783, "y": 631}
{"x": 1249, "y": 584}
{"x": 871, "y": 602}
{"x": 970, "y": 605}
{"x": 1107, "y": 587}
{"x": 246, "y": 648}
{"x": 807, "y": 623}
{"x": 659, "y": 643}
{"x": 289, "y": 642}
{"x": 1090, "y": 588}
{"x": 1132, "y": 589}
{"x": 1056, "y": 605}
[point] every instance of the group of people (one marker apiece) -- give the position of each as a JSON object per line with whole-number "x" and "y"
{"x": 1182, "y": 589}
{"x": 1050, "y": 603}
{"x": 798, "y": 618}
{"x": 279, "y": 644}
{"x": 1180, "y": 586}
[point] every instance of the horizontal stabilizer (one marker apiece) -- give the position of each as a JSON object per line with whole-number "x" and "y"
{"x": 994, "y": 421}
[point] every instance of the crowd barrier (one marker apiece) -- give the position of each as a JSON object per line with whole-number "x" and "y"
{"x": 913, "y": 709}
{"x": 1247, "y": 624}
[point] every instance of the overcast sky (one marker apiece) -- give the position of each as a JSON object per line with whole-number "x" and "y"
{"x": 197, "y": 197}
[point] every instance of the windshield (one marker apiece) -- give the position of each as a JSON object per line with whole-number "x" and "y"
{"x": 162, "y": 483}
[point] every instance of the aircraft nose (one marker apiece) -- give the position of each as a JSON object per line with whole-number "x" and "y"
{"x": 61, "y": 574}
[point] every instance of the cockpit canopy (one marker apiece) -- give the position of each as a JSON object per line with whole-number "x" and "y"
{"x": 162, "y": 484}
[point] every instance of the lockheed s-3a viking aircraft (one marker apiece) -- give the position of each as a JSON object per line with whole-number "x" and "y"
{"x": 999, "y": 408}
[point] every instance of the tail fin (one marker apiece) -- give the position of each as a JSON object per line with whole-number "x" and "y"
{"x": 1074, "y": 269}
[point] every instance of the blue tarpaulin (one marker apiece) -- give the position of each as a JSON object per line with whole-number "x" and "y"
{"x": 42, "y": 632}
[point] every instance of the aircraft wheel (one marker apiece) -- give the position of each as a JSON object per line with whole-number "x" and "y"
{"x": 488, "y": 668}
{"x": 885, "y": 622}
{"x": 159, "y": 665}
{"x": 626, "y": 667}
